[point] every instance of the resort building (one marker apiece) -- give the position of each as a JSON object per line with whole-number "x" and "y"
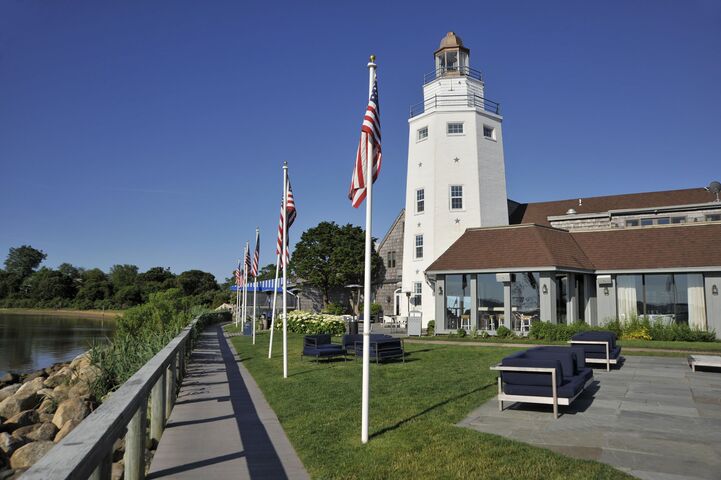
{"x": 473, "y": 259}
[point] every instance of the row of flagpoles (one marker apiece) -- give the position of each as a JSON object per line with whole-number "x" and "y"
{"x": 365, "y": 172}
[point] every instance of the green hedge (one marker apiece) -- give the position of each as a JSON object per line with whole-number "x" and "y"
{"x": 635, "y": 328}
{"x": 310, "y": 323}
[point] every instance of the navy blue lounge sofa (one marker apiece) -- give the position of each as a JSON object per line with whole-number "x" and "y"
{"x": 546, "y": 375}
{"x": 382, "y": 347}
{"x": 599, "y": 347}
{"x": 320, "y": 346}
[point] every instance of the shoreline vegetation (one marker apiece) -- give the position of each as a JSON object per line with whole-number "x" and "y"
{"x": 64, "y": 312}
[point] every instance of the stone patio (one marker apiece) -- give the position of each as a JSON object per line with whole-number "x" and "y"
{"x": 653, "y": 418}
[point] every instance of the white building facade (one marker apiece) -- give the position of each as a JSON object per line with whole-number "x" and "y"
{"x": 456, "y": 174}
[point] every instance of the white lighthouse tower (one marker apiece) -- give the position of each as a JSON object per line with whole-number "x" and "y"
{"x": 456, "y": 175}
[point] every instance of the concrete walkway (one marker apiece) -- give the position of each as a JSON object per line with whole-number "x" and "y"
{"x": 222, "y": 427}
{"x": 653, "y": 418}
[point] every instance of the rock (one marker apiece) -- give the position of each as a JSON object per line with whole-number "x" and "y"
{"x": 33, "y": 376}
{"x": 88, "y": 374}
{"x": 8, "y": 443}
{"x": 61, "y": 376}
{"x": 61, "y": 392}
{"x": 43, "y": 432}
{"x": 22, "y": 419}
{"x": 26, "y": 456}
{"x": 67, "y": 428}
{"x": 81, "y": 361}
{"x": 17, "y": 473}
{"x": 80, "y": 389}
{"x": 119, "y": 449}
{"x": 46, "y": 417}
{"x": 21, "y": 432}
{"x": 47, "y": 406}
{"x": 9, "y": 378}
{"x": 5, "y": 474}
{"x": 13, "y": 405}
{"x": 118, "y": 470}
{"x": 31, "y": 387}
{"x": 9, "y": 391}
{"x": 71, "y": 409}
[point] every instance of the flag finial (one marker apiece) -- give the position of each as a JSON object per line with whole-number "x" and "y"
{"x": 373, "y": 58}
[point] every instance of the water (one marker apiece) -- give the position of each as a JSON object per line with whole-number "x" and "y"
{"x": 32, "y": 342}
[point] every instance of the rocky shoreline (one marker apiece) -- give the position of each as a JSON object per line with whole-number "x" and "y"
{"x": 39, "y": 409}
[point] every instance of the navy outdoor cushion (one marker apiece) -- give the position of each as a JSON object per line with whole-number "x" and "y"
{"x": 531, "y": 378}
{"x": 568, "y": 388}
{"x": 327, "y": 351}
{"x": 613, "y": 354}
{"x": 566, "y": 356}
{"x": 609, "y": 337}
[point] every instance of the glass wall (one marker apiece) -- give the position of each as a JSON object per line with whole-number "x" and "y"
{"x": 561, "y": 298}
{"x": 668, "y": 298}
{"x": 490, "y": 301}
{"x": 525, "y": 299}
{"x": 458, "y": 302}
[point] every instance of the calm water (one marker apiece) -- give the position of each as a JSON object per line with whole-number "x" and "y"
{"x": 31, "y": 342}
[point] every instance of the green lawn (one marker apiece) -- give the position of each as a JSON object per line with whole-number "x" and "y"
{"x": 414, "y": 409}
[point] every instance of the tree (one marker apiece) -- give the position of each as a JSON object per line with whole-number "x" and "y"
{"x": 194, "y": 282}
{"x": 22, "y": 261}
{"x": 157, "y": 274}
{"x": 123, "y": 276}
{"x": 267, "y": 272}
{"x": 94, "y": 286}
{"x": 47, "y": 284}
{"x": 329, "y": 255}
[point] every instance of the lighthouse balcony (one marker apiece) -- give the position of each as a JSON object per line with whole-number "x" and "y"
{"x": 452, "y": 71}
{"x": 462, "y": 101}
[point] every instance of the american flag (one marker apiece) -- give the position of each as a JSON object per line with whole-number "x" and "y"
{"x": 370, "y": 137}
{"x": 292, "y": 213}
{"x": 238, "y": 276}
{"x": 256, "y": 256}
{"x": 246, "y": 267}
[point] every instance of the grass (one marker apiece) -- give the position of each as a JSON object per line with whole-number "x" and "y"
{"x": 656, "y": 344}
{"x": 414, "y": 408}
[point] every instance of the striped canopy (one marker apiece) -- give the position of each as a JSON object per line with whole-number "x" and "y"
{"x": 264, "y": 286}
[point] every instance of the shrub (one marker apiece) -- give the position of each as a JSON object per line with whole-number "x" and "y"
{"x": 504, "y": 332}
{"x": 310, "y": 323}
{"x": 461, "y": 332}
{"x": 431, "y": 328}
{"x": 474, "y": 333}
{"x": 333, "y": 309}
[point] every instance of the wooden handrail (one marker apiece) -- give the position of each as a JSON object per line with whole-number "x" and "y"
{"x": 87, "y": 451}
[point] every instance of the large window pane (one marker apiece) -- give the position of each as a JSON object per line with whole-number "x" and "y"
{"x": 561, "y": 298}
{"x": 524, "y": 293}
{"x": 690, "y": 300}
{"x": 490, "y": 301}
{"x": 458, "y": 301}
{"x": 630, "y": 296}
{"x": 659, "y": 295}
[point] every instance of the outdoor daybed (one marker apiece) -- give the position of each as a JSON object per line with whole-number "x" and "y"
{"x": 320, "y": 346}
{"x": 546, "y": 375}
{"x": 382, "y": 347}
{"x": 599, "y": 347}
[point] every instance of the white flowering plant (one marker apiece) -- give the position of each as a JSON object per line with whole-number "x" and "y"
{"x": 310, "y": 323}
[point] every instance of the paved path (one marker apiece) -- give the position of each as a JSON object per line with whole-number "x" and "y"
{"x": 653, "y": 418}
{"x": 222, "y": 427}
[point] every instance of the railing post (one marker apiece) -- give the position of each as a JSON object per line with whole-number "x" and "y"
{"x": 104, "y": 469}
{"x": 170, "y": 386}
{"x": 157, "y": 409}
{"x": 135, "y": 444}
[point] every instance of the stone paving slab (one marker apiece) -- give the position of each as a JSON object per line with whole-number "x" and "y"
{"x": 221, "y": 426}
{"x": 652, "y": 417}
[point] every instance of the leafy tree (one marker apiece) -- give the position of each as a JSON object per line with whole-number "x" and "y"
{"x": 128, "y": 296}
{"x": 47, "y": 284}
{"x": 267, "y": 272}
{"x": 123, "y": 276}
{"x": 157, "y": 274}
{"x": 329, "y": 255}
{"x": 94, "y": 286}
{"x": 194, "y": 282}
{"x": 22, "y": 261}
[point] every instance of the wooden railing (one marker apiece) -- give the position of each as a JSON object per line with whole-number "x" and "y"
{"x": 87, "y": 451}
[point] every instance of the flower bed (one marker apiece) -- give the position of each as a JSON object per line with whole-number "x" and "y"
{"x": 310, "y": 323}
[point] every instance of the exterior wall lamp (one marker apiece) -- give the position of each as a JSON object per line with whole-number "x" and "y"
{"x": 714, "y": 290}
{"x": 440, "y": 289}
{"x": 605, "y": 291}
{"x": 545, "y": 290}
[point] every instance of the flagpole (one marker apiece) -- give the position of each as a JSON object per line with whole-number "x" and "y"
{"x": 275, "y": 296}
{"x": 245, "y": 282}
{"x": 237, "y": 299}
{"x": 365, "y": 400}
{"x": 255, "y": 280}
{"x": 284, "y": 260}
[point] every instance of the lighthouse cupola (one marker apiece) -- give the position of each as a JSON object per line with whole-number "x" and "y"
{"x": 451, "y": 56}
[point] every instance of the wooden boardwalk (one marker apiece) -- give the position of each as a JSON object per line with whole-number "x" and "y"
{"x": 222, "y": 427}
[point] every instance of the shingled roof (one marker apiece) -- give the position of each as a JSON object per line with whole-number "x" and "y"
{"x": 537, "y": 246}
{"x": 539, "y": 212}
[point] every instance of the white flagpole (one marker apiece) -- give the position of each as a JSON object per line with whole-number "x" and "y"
{"x": 255, "y": 280}
{"x": 367, "y": 273}
{"x": 275, "y": 296}
{"x": 245, "y": 283}
{"x": 284, "y": 262}
{"x": 237, "y": 299}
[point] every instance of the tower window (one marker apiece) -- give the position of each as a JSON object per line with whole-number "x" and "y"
{"x": 632, "y": 223}
{"x": 391, "y": 259}
{"x": 456, "y": 197}
{"x": 454, "y": 128}
{"x": 419, "y": 246}
{"x": 422, "y": 134}
{"x": 678, "y": 219}
{"x": 714, "y": 217}
{"x": 489, "y": 132}
{"x": 420, "y": 200}
{"x": 417, "y": 293}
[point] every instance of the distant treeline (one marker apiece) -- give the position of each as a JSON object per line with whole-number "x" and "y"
{"x": 24, "y": 284}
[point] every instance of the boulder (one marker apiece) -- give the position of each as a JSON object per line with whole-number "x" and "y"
{"x": 61, "y": 392}
{"x": 9, "y": 378}
{"x": 59, "y": 377}
{"x": 31, "y": 387}
{"x": 27, "y": 455}
{"x": 8, "y": 443}
{"x": 21, "y": 432}
{"x": 81, "y": 361}
{"x": 43, "y": 432}
{"x": 46, "y": 417}
{"x": 22, "y": 419}
{"x": 13, "y": 405}
{"x": 80, "y": 389}
{"x": 70, "y": 409}
{"x": 33, "y": 376}
{"x": 47, "y": 406}
{"x": 88, "y": 374}
{"x": 9, "y": 391}
{"x": 67, "y": 428}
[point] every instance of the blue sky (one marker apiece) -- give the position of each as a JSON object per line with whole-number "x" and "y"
{"x": 154, "y": 133}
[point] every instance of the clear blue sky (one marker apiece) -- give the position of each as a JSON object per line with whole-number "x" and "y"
{"x": 154, "y": 133}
